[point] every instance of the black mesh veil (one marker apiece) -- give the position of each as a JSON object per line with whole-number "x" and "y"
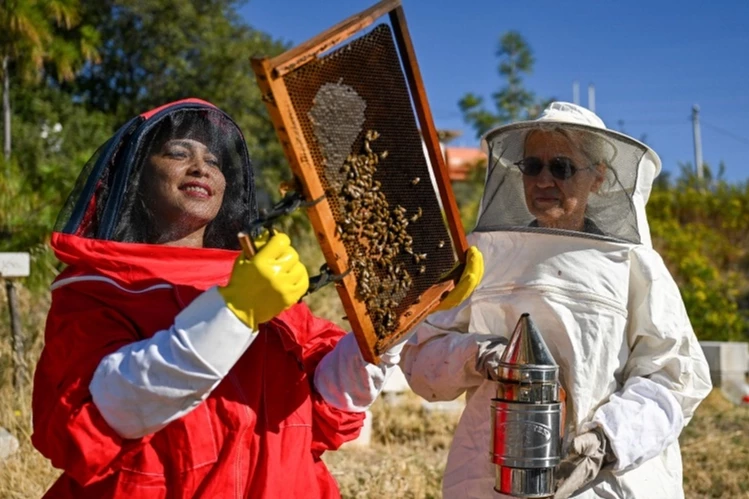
{"x": 111, "y": 198}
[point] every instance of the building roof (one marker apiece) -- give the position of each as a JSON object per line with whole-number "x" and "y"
{"x": 461, "y": 160}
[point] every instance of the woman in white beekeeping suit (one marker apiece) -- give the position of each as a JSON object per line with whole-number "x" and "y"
{"x": 565, "y": 238}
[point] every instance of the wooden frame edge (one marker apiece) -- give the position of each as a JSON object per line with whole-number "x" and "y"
{"x": 303, "y": 53}
{"x": 429, "y": 132}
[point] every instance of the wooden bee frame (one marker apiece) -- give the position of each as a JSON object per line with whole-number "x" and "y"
{"x": 289, "y": 122}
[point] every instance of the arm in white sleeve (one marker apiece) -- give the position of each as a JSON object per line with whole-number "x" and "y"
{"x": 145, "y": 385}
{"x": 348, "y": 382}
{"x": 443, "y": 367}
{"x": 666, "y": 375}
{"x": 439, "y": 360}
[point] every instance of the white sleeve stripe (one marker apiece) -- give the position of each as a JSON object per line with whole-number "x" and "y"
{"x": 97, "y": 278}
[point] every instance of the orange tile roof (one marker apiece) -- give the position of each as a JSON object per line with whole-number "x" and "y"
{"x": 461, "y": 160}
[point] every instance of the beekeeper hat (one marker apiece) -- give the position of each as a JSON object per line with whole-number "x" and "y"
{"x": 631, "y": 168}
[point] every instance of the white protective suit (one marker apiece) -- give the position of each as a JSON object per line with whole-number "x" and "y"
{"x": 612, "y": 317}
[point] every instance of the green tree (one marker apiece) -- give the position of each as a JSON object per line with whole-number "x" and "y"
{"x": 38, "y": 32}
{"x": 513, "y": 101}
{"x": 53, "y": 139}
{"x": 157, "y": 51}
{"x": 32, "y": 34}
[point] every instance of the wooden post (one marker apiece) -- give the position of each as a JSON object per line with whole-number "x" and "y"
{"x": 16, "y": 338}
{"x": 697, "y": 142}
{"x": 13, "y": 265}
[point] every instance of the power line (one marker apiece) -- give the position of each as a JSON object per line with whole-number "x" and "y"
{"x": 654, "y": 122}
{"x": 725, "y": 132}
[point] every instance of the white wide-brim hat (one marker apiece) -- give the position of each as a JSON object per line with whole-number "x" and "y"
{"x": 619, "y": 205}
{"x": 575, "y": 117}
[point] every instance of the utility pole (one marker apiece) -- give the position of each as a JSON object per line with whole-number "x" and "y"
{"x": 576, "y": 92}
{"x": 592, "y": 98}
{"x": 697, "y": 141}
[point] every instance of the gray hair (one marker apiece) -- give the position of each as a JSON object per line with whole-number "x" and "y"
{"x": 594, "y": 147}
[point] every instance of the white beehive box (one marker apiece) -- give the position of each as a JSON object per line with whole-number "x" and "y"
{"x": 728, "y": 360}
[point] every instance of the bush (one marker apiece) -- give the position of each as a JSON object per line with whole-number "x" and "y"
{"x": 701, "y": 228}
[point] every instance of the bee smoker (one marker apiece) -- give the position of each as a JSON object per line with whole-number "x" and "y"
{"x": 526, "y": 416}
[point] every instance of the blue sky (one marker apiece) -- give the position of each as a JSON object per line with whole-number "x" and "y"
{"x": 649, "y": 61}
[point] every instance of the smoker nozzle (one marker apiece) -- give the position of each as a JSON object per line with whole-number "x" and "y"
{"x": 527, "y": 359}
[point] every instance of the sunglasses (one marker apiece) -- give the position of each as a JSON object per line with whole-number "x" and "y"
{"x": 560, "y": 167}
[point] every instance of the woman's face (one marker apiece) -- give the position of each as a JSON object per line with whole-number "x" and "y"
{"x": 185, "y": 190}
{"x": 558, "y": 203}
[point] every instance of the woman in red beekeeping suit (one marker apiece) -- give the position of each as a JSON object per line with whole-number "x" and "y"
{"x": 174, "y": 366}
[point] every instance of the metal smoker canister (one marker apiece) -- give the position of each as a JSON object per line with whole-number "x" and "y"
{"x": 526, "y": 416}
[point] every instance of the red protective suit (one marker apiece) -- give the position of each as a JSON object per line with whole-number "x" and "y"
{"x": 261, "y": 431}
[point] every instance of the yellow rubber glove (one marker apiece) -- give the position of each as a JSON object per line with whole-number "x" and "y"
{"x": 471, "y": 277}
{"x": 267, "y": 284}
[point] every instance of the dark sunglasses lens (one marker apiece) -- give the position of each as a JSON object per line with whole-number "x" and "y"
{"x": 531, "y": 166}
{"x": 562, "y": 168}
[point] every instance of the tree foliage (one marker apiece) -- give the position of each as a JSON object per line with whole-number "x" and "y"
{"x": 148, "y": 53}
{"x": 513, "y": 101}
{"x": 35, "y": 33}
{"x": 158, "y": 51}
{"x": 701, "y": 228}
{"x": 53, "y": 137}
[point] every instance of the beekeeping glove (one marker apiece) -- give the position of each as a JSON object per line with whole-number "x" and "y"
{"x": 487, "y": 358}
{"x": 469, "y": 279}
{"x": 263, "y": 286}
{"x": 589, "y": 452}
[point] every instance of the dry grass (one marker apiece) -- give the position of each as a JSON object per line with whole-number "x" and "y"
{"x": 27, "y": 474}
{"x": 409, "y": 444}
{"x": 715, "y": 450}
{"x": 406, "y": 457}
{"x": 409, "y": 451}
